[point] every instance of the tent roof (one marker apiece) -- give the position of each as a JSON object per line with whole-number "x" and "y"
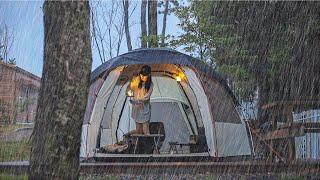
{"x": 160, "y": 56}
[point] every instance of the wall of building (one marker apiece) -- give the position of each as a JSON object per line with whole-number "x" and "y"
{"x": 7, "y": 91}
{"x": 28, "y": 86}
{"x": 19, "y": 92}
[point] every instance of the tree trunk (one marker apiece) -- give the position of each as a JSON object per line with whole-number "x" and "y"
{"x": 164, "y": 23}
{"x": 64, "y": 89}
{"x": 126, "y": 23}
{"x": 152, "y": 23}
{"x": 143, "y": 23}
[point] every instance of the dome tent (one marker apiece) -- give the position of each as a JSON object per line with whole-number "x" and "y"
{"x": 189, "y": 98}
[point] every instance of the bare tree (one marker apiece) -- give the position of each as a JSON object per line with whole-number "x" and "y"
{"x": 152, "y": 23}
{"x": 97, "y": 40}
{"x": 108, "y": 27}
{"x": 164, "y": 22}
{"x": 126, "y": 23}
{"x": 6, "y": 42}
{"x": 63, "y": 93}
{"x": 143, "y": 23}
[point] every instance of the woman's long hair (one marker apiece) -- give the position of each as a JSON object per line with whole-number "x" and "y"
{"x": 145, "y": 71}
{"x": 147, "y": 84}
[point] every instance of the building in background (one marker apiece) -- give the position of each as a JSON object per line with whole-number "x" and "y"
{"x": 19, "y": 91}
{"x": 308, "y": 146}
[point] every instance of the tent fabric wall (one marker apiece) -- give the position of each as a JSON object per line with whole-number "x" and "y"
{"x": 203, "y": 104}
{"x": 229, "y": 129}
{"x": 173, "y": 123}
{"x": 231, "y": 133}
{"x": 90, "y": 102}
{"x": 230, "y": 140}
{"x": 97, "y": 111}
{"x": 223, "y": 109}
{"x": 193, "y": 103}
{"x": 126, "y": 123}
{"x": 108, "y": 112}
{"x": 116, "y": 113}
{"x": 84, "y": 136}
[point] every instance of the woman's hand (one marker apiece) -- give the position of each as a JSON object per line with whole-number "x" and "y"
{"x": 130, "y": 93}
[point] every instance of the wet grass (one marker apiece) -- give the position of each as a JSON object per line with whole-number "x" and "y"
{"x": 286, "y": 177}
{"x": 5, "y": 176}
{"x": 207, "y": 176}
{"x": 5, "y": 128}
{"x": 14, "y": 151}
{"x": 98, "y": 177}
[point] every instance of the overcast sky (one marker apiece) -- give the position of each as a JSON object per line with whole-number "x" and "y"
{"x": 25, "y": 21}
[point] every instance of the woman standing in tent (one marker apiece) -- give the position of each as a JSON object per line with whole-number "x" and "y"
{"x": 140, "y": 88}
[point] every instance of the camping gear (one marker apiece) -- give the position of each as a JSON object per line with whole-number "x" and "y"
{"x": 146, "y": 143}
{"x": 189, "y": 98}
{"x": 118, "y": 148}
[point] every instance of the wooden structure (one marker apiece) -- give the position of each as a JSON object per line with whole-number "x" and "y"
{"x": 279, "y": 139}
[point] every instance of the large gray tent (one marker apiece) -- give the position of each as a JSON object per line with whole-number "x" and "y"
{"x": 189, "y": 98}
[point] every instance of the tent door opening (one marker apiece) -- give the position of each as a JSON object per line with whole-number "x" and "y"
{"x": 172, "y": 109}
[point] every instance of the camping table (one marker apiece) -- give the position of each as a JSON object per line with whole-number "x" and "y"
{"x": 155, "y": 137}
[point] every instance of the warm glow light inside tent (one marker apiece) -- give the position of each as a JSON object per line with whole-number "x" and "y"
{"x": 130, "y": 93}
{"x": 178, "y": 78}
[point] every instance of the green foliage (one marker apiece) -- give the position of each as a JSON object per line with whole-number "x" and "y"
{"x": 8, "y": 176}
{"x": 235, "y": 71}
{"x": 253, "y": 44}
{"x": 201, "y": 36}
{"x": 239, "y": 80}
{"x": 215, "y": 43}
{"x": 280, "y": 52}
{"x": 151, "y": 39}
{"x": 98, "y": 177}
{"x": 172, "y": 3}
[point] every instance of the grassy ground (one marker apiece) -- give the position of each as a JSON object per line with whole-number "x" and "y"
{"x": 19, "y": 150}
{"x": 14, "y": 151}
{"x": 5, "y": 128}
{"x": 8, "y": 176}
{"x": 208, "y": 176}
{"x": 13, "y": 177}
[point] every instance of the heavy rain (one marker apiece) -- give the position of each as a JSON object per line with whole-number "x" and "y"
{"x": 159, "y": 89}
